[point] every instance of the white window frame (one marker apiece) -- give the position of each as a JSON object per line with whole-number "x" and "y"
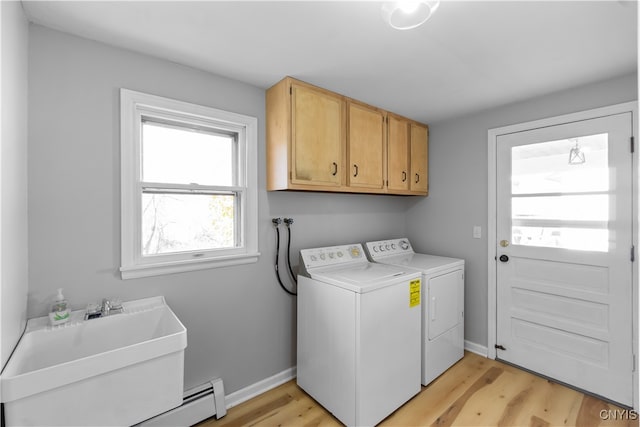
{"x": 133, "y": 107}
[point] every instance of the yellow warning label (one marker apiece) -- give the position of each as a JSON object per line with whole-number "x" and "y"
{"x": 414, "y": 293}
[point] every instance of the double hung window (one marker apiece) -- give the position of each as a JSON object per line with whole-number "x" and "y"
{"x": 189, "y": 196}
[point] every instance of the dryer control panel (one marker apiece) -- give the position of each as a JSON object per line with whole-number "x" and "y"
{"x": 384, "y": 248}
{"x": 334, "y": 255}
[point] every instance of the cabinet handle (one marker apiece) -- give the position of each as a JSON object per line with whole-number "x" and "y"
{"x": 404, "y": 176}
{"x": 335, "y": 169}
{"x": 355, "y": 172}
{"x": 417, "y": 178}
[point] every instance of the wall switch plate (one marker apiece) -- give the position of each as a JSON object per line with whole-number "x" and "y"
{"x": 477, "y": 232}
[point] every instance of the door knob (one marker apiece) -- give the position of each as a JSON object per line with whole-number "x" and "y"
{"x": 504, "y": 243}
{"x": 504, "y": 258}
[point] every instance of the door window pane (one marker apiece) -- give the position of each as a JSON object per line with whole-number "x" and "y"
{"x": 545, "y": 168}
{"x": 589, "y": 207}
{"x": 545, "y": 209}
{"x": 582, "y": 239}
{"x": 186, "y": 156}
{"x": 187, "y": 222}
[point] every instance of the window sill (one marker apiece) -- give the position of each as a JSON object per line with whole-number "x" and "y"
{"x": 148, "y": 270}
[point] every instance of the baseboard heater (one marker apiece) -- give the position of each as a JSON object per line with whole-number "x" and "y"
{"x": 198, "y": 404}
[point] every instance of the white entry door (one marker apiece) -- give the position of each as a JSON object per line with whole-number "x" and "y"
{"x": 564, "y": 253}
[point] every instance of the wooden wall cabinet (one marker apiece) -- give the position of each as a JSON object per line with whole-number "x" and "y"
{"x": 305, "y": 138}
{"x": 419, "y": 136}
{"x": 318, "y": 140}
{"x": 398, "y": 157}
{"x": 366, "y": 140}
{"x": 407, "y": 156}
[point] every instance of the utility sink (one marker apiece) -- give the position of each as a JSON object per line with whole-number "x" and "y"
{"x": 116, "y": 370}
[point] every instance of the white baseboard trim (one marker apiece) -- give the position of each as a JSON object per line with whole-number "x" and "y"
{"x": 476, "y": 348}
{"x": 249, "y": 392}
{"x": 253, "y": 390}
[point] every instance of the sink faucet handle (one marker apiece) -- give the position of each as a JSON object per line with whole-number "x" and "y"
{"x": 116, "y": 305}
{"x": 93, "y": 311}
{"x": 106, "y": 306}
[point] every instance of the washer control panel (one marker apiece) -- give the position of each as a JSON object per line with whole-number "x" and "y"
{"x": 383, "y": 248}
{"x": 333, "y": 255}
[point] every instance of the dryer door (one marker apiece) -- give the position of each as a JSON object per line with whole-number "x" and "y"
{"x": 443, "y": 311}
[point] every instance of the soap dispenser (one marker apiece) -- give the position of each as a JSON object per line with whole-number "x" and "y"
{"x": 59, "y": 310}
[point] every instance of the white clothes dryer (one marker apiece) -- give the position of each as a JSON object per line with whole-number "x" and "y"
{"x": 358, "y": 340}
{"x": 442, "y": 305}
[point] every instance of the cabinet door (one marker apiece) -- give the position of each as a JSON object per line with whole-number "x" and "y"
{"x": 419, "y": 158}
{"x": 365, "y": 146}
{"x": 398, "y": 160}
{"x": 317, "y": 137}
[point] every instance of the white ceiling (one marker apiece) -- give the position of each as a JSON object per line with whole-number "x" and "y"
{"x": 469, "y": 56}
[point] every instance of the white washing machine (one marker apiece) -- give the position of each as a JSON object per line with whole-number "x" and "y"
{"x": 442, "y": 305}
{"x": 358, "y": 333}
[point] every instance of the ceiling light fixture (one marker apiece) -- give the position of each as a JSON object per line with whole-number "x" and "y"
{"x": 407, "y": 14}
{"x": 576, "y": 156}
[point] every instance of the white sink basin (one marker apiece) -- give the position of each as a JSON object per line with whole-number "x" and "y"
{"x": 117, "y": 370}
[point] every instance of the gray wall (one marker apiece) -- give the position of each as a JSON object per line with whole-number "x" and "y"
{"x": 240, "y": 323}
{"x": 443, "y": 222}
{"x": 13, "y": 177}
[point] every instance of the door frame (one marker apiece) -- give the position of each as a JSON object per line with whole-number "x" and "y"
{"x": 492, "y": 237}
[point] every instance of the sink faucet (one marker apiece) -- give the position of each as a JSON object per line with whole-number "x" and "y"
{"x": 106, "y": 308}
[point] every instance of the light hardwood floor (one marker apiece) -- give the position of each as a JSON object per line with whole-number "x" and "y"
{"x": 474, "y": 392}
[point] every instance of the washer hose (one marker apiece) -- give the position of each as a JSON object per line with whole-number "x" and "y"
{"x": 276, "y": 222}
{"x": 288, "y": 222}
